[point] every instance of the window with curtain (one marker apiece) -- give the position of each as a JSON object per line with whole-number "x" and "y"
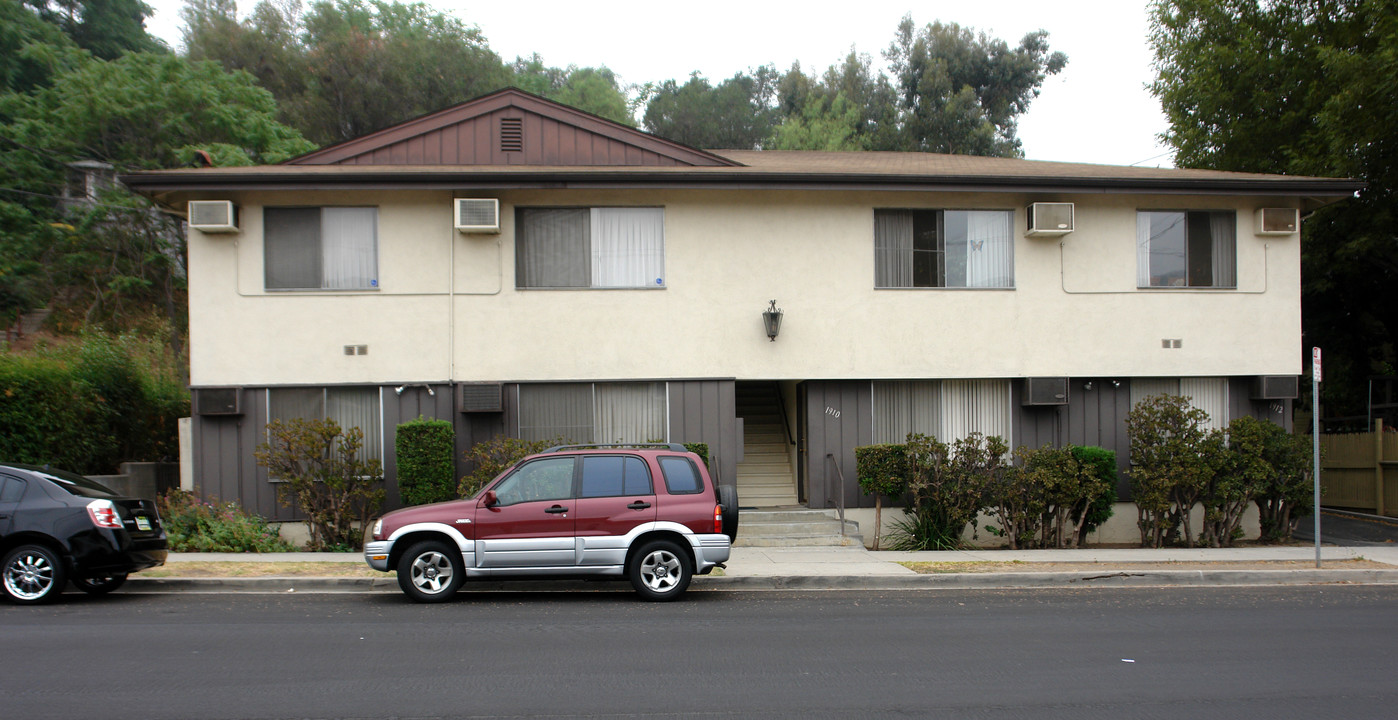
{"x": 594, "y": 412}
{"x": 330, "y": 248}
{"x": 605, "y": 247}
{"x": 347, "y": 406}
{"x": 1209, "y": 394}
{"x": 944, "y": 248}
{"x": 945, "y": 409}
{"x": 1186, "y": 249}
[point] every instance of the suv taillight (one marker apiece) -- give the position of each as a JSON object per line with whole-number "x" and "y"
{"x": 718, "y": 519}
{"x": 104, "y": 514}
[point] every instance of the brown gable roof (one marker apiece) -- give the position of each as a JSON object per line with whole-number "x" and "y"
{"x": 511, "y": 128}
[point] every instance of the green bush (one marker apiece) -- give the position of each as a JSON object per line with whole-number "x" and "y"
{"x": 1174, "y": 458}
{"x": 90, "y": 406}
{"x": 700, "y": 449}
{"x": 426, "y": 470}
{"x": 947, "y": 484}
{"x": 1287, "y": 492}
{"x": 493, "y": 456}
{"x": 322, "y": 476}
{"x": 193, "y": 525}
{"x": 882, "y": 471}
{"x": 1100, "y": 508}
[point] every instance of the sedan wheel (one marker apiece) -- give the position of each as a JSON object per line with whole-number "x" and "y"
{"x": 430, "y": 571}
{"x": 660, "y": 571}
{"x": 33, "y": 574}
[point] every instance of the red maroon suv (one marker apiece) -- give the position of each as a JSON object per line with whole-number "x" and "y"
{"x": 650, "y": 513}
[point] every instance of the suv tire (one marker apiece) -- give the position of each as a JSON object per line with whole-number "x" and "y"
{"x": 431, "y": 571}
{"x": 659, "y": 570}
{"x": 728, "y": 501}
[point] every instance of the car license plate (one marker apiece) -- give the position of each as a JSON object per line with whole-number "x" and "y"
{"x": 142, "y": 523}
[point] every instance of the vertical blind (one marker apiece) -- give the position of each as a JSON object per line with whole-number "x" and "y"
{"x": 1209, "y": 394}
{"x": 594, "y": 412}
{"x": 320, "y": 248}
{"x": 630, "y": 412}
{"x": 347, "y": 406}
{"x": 556, "y": 410}
{"x": 906, "y": 407}
{"x": 947, "y": 410}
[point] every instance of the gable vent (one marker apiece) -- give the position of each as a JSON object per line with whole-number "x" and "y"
{"x": 511, "y": 134}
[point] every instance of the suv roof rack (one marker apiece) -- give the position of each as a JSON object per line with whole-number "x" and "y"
{"x": 674, "y": 447}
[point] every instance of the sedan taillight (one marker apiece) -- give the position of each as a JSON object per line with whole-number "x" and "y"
{"x": 718, "y": 519}
{"x": 104, "y": 514}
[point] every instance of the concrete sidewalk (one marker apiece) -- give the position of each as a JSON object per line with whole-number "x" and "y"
{"x": 829, "y": 568}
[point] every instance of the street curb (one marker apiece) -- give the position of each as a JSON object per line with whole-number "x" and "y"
{"x": 943, "y": 581}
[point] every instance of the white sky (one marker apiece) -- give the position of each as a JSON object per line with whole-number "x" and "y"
{"x": 1097, "y": 110}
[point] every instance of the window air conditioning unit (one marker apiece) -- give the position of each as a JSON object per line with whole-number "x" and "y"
{"x": 1278, "y": 221}
{"x": 218, "y": 401}
{"x": 213, "y": 216}
{"x": 477, "y": 215}
{"x": 1045, "y": 391}
{"x": 1049, "y": 219}
{"x": 1275, "y": 387}
{"x": 480, "y": 397}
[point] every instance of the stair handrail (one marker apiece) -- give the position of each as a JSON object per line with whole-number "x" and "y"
{"x": 840, "y": 496}
{"x": 781, "y": 403}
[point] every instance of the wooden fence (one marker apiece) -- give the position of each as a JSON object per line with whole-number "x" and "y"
{"x": 1359, "y": 471}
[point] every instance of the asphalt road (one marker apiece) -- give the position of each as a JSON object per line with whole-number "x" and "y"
{"x": 1294, "y": 652}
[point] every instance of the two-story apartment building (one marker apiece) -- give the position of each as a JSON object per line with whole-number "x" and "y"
{"x": 522, "y": 268}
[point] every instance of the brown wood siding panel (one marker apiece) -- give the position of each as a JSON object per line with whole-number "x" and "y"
{"x": 706, "y": 411}
{"x": 1098, "y": 417}
{"x": 486, "y": 136}
{"x": 398, "y": 153}
{"x": 567, "y": 145}
{"x": 549, "y": 142}
{"x": 432, "y": 148}
{"x": 827, "y": 434}
{"x": 447, "y": 139}
{"x": 417, "y": 152}
{"x": 533, "y": 140}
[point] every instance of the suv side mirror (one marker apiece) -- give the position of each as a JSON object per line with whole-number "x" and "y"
{"x": 490, "y": 500}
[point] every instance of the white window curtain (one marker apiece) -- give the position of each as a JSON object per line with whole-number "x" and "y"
{"x": 556, "y": 410}
{"x": 1143, "y": 225}
{"x": 905, "y": 407}
{"x": 1223, "y": 228}
{"x": 893, "y": 249}
{"x": 349, "y": 241}
{"x": 628, "y": 247}
{"x": 970, "y": 406}
{"x": 989, "y": 249}
{"x": 630, "y": 412}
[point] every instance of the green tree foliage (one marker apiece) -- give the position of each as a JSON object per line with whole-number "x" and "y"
{"x": 1100, "y": 508}
{"x": 1304, "y": 87}
{"x": 194, "y": 525}
{"x": 426, "y": 469}
{"x": 30, "y": 48}
{"x": 1045, "y": 500}
{"x": 948, "y": 484}
{"x": 1284, "y": 466}
{"x": 882, "y": 471}
{"x": 737, "y": 114}
{"x": 347, "y": 68}
{"x": 960, "y": 91}
{"x": 594, "y": 90}
{"x": 323, "y": 477}
{"x": 106, "y": 28}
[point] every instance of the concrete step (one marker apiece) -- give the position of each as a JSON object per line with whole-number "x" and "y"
{"x": 794, "y": 528}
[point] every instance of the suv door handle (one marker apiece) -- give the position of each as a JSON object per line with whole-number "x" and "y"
{"x": 638, "y": 505}
{"x": 557, "y": 509}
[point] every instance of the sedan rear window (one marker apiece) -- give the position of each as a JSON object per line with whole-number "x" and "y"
{"x": 681, "y": 477}
{"x": 76, "y": 484}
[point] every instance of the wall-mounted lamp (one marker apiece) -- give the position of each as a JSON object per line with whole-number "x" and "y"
{"x": 772, "y": 319}
{"x": 1116, "y": 383}
{"x": 1087, "y": 385}
{"x": 399, "y": 390}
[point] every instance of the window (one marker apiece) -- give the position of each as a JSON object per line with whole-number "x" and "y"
{"x": 594, "y": 412}
{"x": 681, "y": 477}
{"x": 1186, "y": 249}
{"x": 944, "y": 248}
{"x": 333, "y": 248}
{"x": 347, "y": 406}
{"x": 1209, "y": 394}
{"x": 945, "y": 409}
{"x": 611, "y": 476}
{"x": 590, "y": 247}
{"x": 545, "y": 479}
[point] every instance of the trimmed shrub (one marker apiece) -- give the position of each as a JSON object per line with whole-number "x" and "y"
{"x": 426, "y": 470}
{"x": 1285, "y": 495}
{"x": 323, "y": 477}
{"x": 700, "y": 449}
{"x": 882, "y": 471}
{"x": 947, "y": 484}
{"x": 193, "y": 525}
{"x": 1174, "y": 457}
{"x": 1100, "y": 508}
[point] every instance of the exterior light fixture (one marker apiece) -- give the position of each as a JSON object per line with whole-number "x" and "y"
{"x": 772, "y": 319}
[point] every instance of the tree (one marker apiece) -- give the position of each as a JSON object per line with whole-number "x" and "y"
{"x": 1304, "y": 87}
{"x": 324, "y": 477}
{"x": 961, "y": 92}
{"x": 346, "y": 68}
{"x": 1174, "y": 458}
{"x": 594, "y": 90}
{"x": 738, "y": 113}
{"x": 106, "y": 28}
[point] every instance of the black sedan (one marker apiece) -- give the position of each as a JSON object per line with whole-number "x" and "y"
{"x": 56, "y": 526}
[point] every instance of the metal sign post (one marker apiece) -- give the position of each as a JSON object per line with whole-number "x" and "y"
{"x": 1315, "y": 444}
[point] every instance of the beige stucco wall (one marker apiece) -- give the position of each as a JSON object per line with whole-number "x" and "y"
{"x": 447, "y": 308}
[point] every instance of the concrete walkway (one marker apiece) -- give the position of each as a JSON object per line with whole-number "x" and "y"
{"x": 828, "y": 568}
